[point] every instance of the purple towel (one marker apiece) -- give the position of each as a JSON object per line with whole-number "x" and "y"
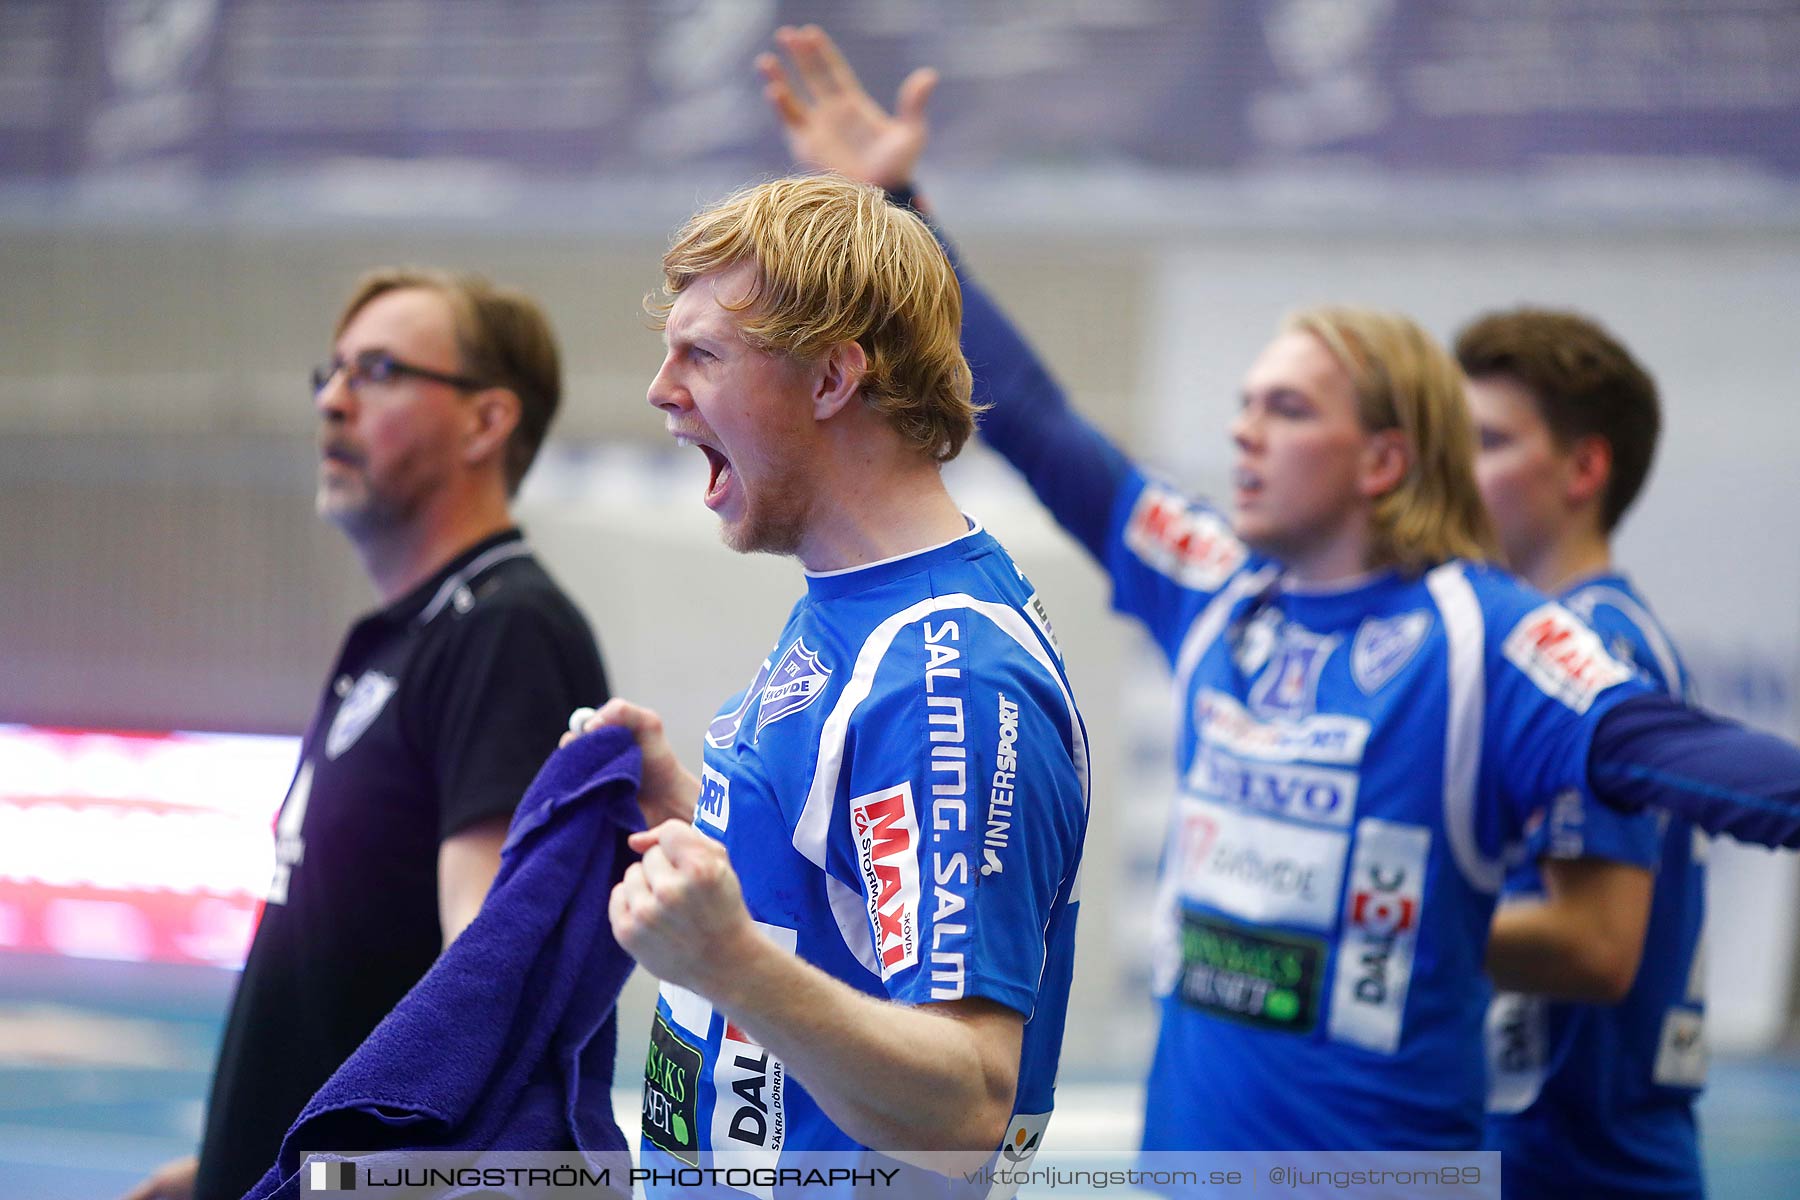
{"x": 507, "y": 1043}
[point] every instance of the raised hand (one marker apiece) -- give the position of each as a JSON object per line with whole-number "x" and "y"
{"x": 667, "y": 790}
{"x": 832, "y": 122}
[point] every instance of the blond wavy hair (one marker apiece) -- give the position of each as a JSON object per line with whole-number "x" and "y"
{"x": 1405, "y": 380}
{"x": 835, "y": 262}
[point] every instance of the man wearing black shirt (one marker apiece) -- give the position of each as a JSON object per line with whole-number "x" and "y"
{"x": 441, "y": 707}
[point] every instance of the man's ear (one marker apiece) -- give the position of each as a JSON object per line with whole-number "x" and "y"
{"x": 1385, "y": 462}
{"x": 493, "y": 415}
{"x": 838, "y": 378}
{"x": 1590, "y": 468}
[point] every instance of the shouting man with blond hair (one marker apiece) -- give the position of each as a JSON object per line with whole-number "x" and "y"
{"x": 865, "y": 926}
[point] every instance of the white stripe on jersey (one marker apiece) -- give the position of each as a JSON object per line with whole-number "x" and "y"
{"x": 1465, "y": 644}
{"x": 814, "y": 826}
{"x": 852, "y": 914}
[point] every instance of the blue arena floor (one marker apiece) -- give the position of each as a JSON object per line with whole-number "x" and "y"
{"x": 104, "y": 1069}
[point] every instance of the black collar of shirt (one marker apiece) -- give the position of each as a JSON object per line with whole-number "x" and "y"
{"x": 428, "y": 598}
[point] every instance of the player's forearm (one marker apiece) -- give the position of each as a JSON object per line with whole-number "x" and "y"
{"x": 678, "y": 801}
{"x": 1538, "y": 946}
{"x": 893, "y": 1077}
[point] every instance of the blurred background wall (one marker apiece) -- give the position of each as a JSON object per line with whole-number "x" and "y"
{"x": 189, "y": 187}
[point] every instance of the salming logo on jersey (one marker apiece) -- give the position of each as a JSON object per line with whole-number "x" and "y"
{"x": 886, "y": 830}
{"x": 949, "y": 805}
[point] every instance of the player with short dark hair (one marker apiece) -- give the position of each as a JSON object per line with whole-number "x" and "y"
{"x": 1586, "y": 1100}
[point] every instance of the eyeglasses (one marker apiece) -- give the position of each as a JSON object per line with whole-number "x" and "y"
{"x": 378, "y": 366}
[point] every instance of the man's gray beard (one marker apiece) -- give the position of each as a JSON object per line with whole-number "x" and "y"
{"x": 369, "y": 517}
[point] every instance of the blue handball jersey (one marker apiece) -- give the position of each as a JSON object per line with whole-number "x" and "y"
{"x": 1354, "y": 765}
{"x": 1597, "y": 1101}
{"x": 903, "y": 792}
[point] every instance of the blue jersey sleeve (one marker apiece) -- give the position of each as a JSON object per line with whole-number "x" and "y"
{"x": 1576, "y": 826}
{"x": 1550, "y": 679}
{"x": 966, "y": 807}
{"x": 1653, "y": 752}
{"x": 1166, "y": 554}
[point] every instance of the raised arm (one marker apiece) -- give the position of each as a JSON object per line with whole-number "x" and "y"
{"x": 833, "y": 124}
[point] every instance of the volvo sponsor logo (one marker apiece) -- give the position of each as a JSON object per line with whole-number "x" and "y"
{"x": 1318, "y": 794}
